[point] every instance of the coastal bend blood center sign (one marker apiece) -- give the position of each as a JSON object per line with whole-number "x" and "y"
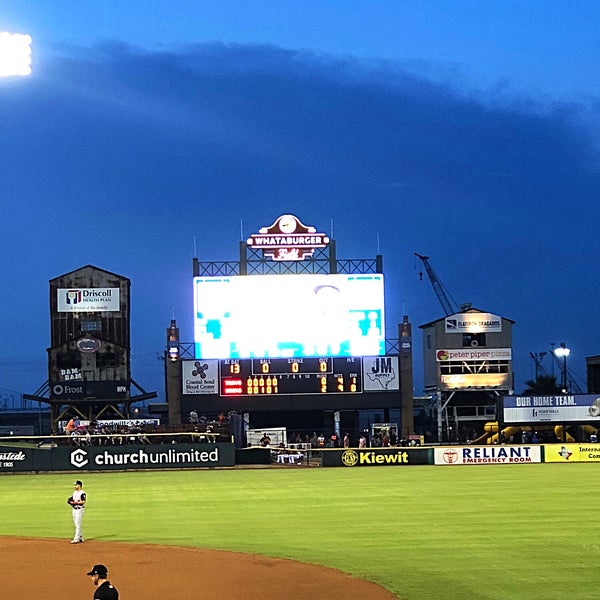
{"x": 200, "y": 376}
{"x": 88, "y": 299}
{"x": 287, "y": 239}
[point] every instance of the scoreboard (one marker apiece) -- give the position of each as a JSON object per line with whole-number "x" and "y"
{"x": 280, "y": 376}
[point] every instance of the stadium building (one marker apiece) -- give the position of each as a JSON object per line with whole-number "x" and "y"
{"x": 289, "y": 335}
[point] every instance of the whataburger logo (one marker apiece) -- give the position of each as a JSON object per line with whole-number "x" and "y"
{"x": 353, "y": 458}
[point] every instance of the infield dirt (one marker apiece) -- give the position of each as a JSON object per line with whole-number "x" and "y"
{"x": 41, "y": 568}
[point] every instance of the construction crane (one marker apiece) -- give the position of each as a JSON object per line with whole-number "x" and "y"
{"x": 448, "y": 303}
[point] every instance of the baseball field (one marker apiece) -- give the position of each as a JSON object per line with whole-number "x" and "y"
{"x": 414, "y": 533}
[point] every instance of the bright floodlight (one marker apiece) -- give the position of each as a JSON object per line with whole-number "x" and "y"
{"x": 15, "y": 54}
{"x": 562, "y": 351}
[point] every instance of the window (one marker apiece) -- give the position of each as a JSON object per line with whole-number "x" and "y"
{"x": 473, "y": 340}
{"x": 106, "y": 360}
{"x": 68, "y": 361}
{"x": 90, "y": 325}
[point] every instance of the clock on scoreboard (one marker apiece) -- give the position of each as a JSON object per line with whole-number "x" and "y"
{"x": 280, "y": 376}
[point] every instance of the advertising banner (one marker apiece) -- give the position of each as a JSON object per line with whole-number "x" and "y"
{"x": 110, "y": 458}
{"x": 380, "y": 373}
{"x": 460, "y": 354}
{"x": 88, "y": 299}
{"x": 581, "y": 408}
{"x": 16, "y": 459}
{"x": 88, "y": 389}
{"x": 200, "y": 376}
{"x": 487, "y": 455}
{"x": 473, "y": 323}
{"x": 165, "y": 456}
{"x": 572, "y": 453}
{"x": 376, "y": 457}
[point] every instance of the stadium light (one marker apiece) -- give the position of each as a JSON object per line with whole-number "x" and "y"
{"x": 15, "y": 54}
{"x": 562, "y": 352}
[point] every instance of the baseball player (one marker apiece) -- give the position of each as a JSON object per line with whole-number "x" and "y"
{"x": 77, "y": 502}
{"x": 105, "y": 590}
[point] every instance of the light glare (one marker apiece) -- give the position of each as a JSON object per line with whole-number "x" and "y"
{"x": 15, "y": 54}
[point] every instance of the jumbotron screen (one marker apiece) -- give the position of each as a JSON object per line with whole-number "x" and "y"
{"x": 285, "y": 316}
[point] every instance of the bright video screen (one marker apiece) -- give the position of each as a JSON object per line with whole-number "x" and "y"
{"x": 279, "y": 316}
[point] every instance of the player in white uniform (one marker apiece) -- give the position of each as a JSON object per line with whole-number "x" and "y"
{"x": 77, "y": 502}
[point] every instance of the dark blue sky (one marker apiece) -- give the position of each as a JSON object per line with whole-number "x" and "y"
{"x": 467, "y": 134}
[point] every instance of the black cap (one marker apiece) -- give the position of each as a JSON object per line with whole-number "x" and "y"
{"x": 78, "y": 483}
{"x": 99, "y": 570}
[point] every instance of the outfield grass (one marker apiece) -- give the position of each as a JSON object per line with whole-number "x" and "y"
{"x": 469, "y": 533}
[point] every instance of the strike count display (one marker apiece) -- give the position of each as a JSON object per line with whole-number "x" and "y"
{"x": 270, "y": 376}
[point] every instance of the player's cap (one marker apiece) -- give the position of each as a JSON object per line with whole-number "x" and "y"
{"x": 99, "y": 570}
{"x": 78, "y": 482}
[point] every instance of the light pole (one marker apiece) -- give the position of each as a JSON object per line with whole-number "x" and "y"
{"x": 562, "y": 352}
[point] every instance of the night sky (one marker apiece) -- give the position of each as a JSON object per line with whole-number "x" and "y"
{"x": 466, "y": 131}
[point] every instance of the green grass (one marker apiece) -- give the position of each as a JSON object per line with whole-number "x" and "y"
{"x": 500, "y": 532}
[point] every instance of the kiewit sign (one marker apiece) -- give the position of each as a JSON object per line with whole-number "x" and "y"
{"x": 88, "y": 299}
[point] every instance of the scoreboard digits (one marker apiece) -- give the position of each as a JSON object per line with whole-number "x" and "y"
{"x": 277, "y": 376}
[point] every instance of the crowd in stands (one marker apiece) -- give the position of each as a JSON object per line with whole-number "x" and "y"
{"x": 140, "y": 431}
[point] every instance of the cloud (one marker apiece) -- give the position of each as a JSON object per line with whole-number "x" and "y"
{"x": 119, "y": 157}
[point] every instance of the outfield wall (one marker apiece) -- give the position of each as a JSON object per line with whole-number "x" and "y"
{"x": 462, "y": 455}
{"x": 15, "y": 458}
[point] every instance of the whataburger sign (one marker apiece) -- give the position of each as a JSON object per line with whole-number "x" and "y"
{"x": 287, "y": 239}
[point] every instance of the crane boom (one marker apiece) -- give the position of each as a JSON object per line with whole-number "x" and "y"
{"x": 449, "y": 306}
